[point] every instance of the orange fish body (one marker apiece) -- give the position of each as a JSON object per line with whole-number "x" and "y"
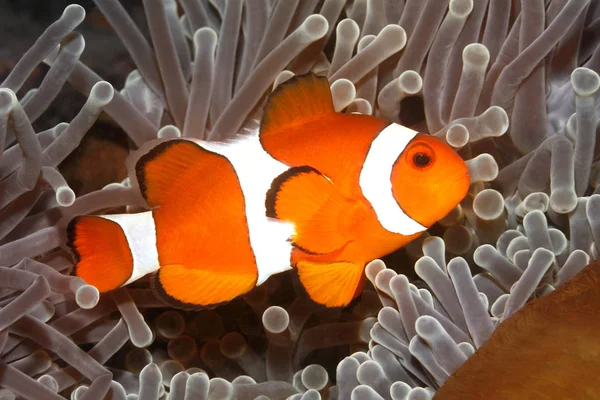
{"x": 315, "y": 190}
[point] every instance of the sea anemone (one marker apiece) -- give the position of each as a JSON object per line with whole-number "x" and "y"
{"x": 497, "y": 299}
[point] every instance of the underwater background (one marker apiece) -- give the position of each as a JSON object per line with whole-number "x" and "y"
{"x": 498, "y": 300}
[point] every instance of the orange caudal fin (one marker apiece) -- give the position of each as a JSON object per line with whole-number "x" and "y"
{"x": 102, "y": 252}
{"x": 297, "y": 100}
{"x": 331, "y": 284}
{"x": 160, "y": 171}
{"x": 194, "y": 288}
{"x": 319, "y": 211}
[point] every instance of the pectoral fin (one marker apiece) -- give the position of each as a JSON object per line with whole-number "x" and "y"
{"x": 320, "y": 212}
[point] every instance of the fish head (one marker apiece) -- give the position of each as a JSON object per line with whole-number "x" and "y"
{"x": 429, "y": 179}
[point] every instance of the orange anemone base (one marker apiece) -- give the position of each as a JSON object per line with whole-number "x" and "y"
{"x": 550, "y": 349}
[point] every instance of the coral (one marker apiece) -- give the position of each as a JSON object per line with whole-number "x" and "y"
{"x": 510, "y": 85}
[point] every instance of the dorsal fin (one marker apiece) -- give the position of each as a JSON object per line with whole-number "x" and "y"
{"x": 297, "y": 100}
{"x": 161, "y": 168}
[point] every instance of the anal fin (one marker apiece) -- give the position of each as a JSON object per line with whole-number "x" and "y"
{"x": 196, "y": 288}
{"x": 331, "y": 284}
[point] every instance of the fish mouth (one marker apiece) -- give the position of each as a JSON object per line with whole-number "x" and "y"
{"x": 463, "y": 180}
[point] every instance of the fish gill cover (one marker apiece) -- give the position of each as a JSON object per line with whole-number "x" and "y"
{"x": 499, "y": 287}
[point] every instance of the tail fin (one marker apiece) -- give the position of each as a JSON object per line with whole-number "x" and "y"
{"x": 102, "y": 252}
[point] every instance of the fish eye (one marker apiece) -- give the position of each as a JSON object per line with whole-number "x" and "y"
{"x": 421, "y": 160}
{"x": 420, "y": 155}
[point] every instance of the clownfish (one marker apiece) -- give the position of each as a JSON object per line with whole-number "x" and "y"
{"x": 312, "y": 189}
